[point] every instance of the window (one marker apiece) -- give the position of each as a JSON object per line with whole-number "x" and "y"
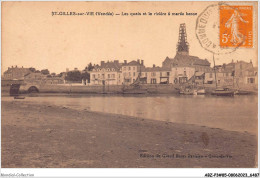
{"x": 129, "y": 68}
{"x": 93, "y": 76}
{"x": 108, "y": 75}
{"x": 113, "y": 75}
{"x": 160, "y": 74}
{"x": 129, "y": 74}
{"x": 98, "y": 75}
{"x": 153, "y": 81}
{"x": 134, "y": 74}
{"x": 250, "y": 80}
{"x": 168, "y": 73}
{"x": 133, "y": 68}
{"x": 184, "y": 73}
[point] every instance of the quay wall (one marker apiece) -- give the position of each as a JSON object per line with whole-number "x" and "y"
{"x": 112, "y": 89}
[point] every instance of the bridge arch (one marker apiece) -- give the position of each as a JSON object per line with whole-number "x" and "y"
{"x": 33, "y": 89}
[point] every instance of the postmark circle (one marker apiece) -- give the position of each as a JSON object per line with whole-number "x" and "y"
{"x": 208, "y": 31}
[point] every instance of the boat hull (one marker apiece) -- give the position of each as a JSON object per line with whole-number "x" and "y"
{"x": 223, "y": 93}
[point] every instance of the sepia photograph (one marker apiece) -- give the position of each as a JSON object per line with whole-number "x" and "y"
{"x": 129, "y": 84}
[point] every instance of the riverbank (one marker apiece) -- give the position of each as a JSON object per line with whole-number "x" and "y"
{"x": 50, "y": 136}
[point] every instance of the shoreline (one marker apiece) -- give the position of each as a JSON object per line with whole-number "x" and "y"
{"x": 72, "y": 138}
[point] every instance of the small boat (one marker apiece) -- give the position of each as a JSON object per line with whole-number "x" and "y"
{"x": 135, "y": 91}
{"x": 19, "y": 97}
{"x": 201, "y": 91}
{"x": 188, "y": 91}
{"x": 243, "y": 92}
{"x": 223, "y": 92}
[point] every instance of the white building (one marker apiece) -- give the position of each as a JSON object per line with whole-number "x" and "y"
{"x": 108, "y": 73}
{"x": 131, "y": 70}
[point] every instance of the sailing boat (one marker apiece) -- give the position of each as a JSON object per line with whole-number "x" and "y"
{"x": 135, "y": 87}
{"x": 219, "y": 91}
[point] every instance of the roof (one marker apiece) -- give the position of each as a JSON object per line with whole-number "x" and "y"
{"x": 156, "y": 69}
{"x": 10, "y": 70}
{"x": 109, "y": 65}
{"x": 186, "y": 60}
{"x": 199, "y": 74}
{"x": 132, "y": 63}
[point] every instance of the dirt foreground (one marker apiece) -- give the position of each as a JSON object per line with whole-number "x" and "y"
{"x": 46, "y": 136}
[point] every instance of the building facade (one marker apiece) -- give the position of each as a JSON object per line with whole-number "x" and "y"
{"x": 107, "y": 73}
{"x": 156, "y": 75}
{"x": 15, "y": 73}
{"x": 131, "y": 71}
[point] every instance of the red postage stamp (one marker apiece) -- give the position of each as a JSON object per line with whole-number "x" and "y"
{"x": 236, "y": 26}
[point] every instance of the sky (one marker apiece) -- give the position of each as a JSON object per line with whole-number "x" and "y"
{"x": 32, "y": 37}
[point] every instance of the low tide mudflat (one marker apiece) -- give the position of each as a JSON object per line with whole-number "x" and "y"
{"x": 36, "y": 136}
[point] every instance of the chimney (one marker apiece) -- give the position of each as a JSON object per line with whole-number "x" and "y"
{"x": 16, "y": 66}
{"x": 138, "y": 60}
{"x": 22, "y": 66}
{"x": 153, "y": 65}
{"x": 125, "y": 61}
{"x": 116, "y": 61}
{"x": 102, "y": 63}
{"x": 12, "y": 66}
{"x": 142, "y": 62}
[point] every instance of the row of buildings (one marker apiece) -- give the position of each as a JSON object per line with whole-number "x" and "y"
{"x": 21, "y": 74}
{"x": 232, "y": 74}
{"x": 182, "y": 68}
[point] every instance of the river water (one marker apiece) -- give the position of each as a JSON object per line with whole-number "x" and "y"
{"x": 238, "y": 113}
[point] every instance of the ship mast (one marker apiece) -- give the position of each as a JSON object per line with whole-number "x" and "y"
{"x": 215, "y": 71}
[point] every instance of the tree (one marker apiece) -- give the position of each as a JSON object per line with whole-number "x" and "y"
{"x": 90, "y": 67}
{"x": 73, "y": 76}
{"x": 85, "y": 76}
{"x": 32, "y": 69}
{"x": 60, "y": 74}
{"x": 45, "y": 71}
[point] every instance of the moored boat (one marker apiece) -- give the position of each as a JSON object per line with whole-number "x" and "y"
{"x": 223, "y": 92}
{"x": 201, "y": 91}
{"x": 19, "y": 97}
{"x": 243, "y": 92}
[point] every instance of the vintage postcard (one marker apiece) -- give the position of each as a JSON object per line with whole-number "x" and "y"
{"x": 129, "y": 85}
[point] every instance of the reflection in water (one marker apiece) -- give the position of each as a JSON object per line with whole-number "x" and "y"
{"x": 237, "y": 113}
